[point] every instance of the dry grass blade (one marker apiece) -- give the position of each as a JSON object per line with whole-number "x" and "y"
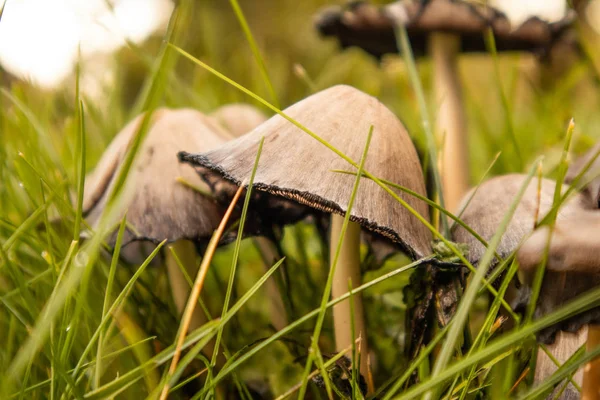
{"x": 195, "y": 293}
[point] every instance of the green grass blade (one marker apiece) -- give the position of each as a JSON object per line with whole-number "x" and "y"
{"x": 514, "y": 338}
{"x": 433, "y": 204}
{"x": 234, "y": 309}
{"x": 120, "y": 298}
{"x": 470, "y": 293}
{"x": 80, "y": 172}
{"x": 491, "y": 45}
{"x": 231, "y": 366}
{"x": 107, "y": 294}
{"x": 236, "y": 250}
{"x": 332, "y": 268}
{"x": 205, "y": 332}
{"x": 385, "y": 187}
{"x": 255, "y": 51}
{"x": 536, "y": 286}
{"x": 405, "y": 49}
{"x": 563, "y": 372}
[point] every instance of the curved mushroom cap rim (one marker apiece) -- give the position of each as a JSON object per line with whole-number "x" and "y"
{"x": 305, "y": 198}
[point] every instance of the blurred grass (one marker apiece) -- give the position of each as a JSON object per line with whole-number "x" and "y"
{"x": 40, "y": 162}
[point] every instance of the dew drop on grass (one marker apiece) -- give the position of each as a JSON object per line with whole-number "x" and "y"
{"x": 81, "y": 259}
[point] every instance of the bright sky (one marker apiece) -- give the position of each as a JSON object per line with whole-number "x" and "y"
{"x": 518, "y": 11}
{"x": 39, "y": 39}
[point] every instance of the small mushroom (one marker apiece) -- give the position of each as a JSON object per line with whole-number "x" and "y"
{"x": 564, "y": 346}
{"x": 294, "y": 168}
{"x": 441, "y": 28}
{"x": 159, "y": 207}
{"x": 484, "y": 210}
{"x": 238, "y": 118}
{"x": 572, "y": 268}
{"x": 162, "y": 199}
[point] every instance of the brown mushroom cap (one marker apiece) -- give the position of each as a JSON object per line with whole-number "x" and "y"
{"x": 158, "y": 207}
{"x": 572, "y": 267}
{"x": 238, "y": 118}
{"x": 591, "y": 178}
{"x": 295, "y": 167}
{"x": 489, "y": 205}
{"x": 372, "y": 28}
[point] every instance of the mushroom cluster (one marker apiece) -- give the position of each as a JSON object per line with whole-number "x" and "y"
{"x": 298, "y": 176}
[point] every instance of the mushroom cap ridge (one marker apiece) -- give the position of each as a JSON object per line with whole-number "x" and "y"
{"x": 294, "y": 166}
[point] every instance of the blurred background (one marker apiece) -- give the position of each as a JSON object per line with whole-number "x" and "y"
{"x": 115, "y": 43}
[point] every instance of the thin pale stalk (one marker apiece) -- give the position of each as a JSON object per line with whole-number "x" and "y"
{"x": 590, "y": 389}
{"x": 335, "y": 259}
{"x": 230, "y": 367}
{"x": 348, "y": 269}
{"x": 278, "y": 309}
{"x": 402, "y": 39}
{"x": 451, "y": 121}
{"x": 509, "y": 340}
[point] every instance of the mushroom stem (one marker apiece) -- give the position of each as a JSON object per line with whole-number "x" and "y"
{"x": 348, "y": 272}
{"x": 563, "y": 347}
{"x": 180, "y": 288}
{"x": 591, "y": 372}
{"x": 270, "y": 255}
{"x": 451, "y": 119}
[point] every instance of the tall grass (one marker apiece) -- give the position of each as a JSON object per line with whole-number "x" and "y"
{"x": 76, "y": 321}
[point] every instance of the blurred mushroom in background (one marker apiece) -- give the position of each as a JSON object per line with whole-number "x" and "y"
{"x": 442, "y": 29}
{"x": 238, "y": 118}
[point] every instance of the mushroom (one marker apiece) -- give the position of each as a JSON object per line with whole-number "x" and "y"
{"x": 238, "y": 118}
{"x": 159, "y": 205}
{"x": 441, "y": 28}
{"x": 295, "y": 169}
{"x": 484, "y": 210}
{"x": 588, "y": 168}
{"x": 572, "y": 268}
